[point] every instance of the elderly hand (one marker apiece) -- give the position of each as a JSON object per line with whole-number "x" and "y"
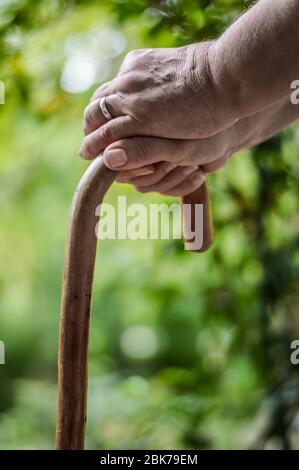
{"x": 154, "y": 170}
{"x": 167, "y": 93}
{"x": 196, "y": 91}
{"x": 169, "y": 178}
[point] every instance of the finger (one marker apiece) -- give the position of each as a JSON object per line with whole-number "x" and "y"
{"x": 161, "y": 169}
{"x": 93, "y": 114}
{"x": 187, "y": 186}
{"x": 93, "y": 117}
{"x": 106, "y": 89}
{"x": 216, "y": 165}
{"x": 172, "y": 180}
{"x": 136, "y": 152}
{"x": 98, "y": 140}
{"x": 125, "y": 154}
{"x": 191, "y": 183}
{"x": 127, "y": 82}
{"x": 137, "y": 173}
{"x": 139, "y": 151}
{"x": 130, "y": 60}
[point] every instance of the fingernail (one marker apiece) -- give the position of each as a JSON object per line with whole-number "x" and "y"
{"x": 143, "y": 172}
{"x": 115, "y": 157}
{"x": 197, "y": 179}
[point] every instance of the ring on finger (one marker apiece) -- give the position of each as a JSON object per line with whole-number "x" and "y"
{"x": 104, "y": 109}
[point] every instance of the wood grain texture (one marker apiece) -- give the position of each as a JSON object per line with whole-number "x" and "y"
{"x": 202, "y": 227}
{"x": 75, "y": 306}
{"x": 76, "y": 300}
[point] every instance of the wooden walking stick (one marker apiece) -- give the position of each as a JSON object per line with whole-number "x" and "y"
{"x": 76, "y": 298}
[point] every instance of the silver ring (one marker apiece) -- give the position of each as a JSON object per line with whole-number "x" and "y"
{"x": 104, "y": 109}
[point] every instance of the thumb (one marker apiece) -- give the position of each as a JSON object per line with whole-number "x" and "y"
{"x": 136, "y": 152}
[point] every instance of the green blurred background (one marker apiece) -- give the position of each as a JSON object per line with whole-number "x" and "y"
{"x": 187, "y": 351}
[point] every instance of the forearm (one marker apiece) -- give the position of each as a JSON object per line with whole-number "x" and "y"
{"x": 255, "y": 61}
{"x": 260, "y": 127}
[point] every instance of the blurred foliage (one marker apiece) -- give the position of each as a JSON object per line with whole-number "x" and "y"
{"x": 187, "y": 351}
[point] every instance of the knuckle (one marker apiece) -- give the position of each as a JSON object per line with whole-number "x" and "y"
{"x": 100, "y": 91}
{"x": 131, "y": 83}
{"x": 133, "y": 54}
{"x": 130, "y": 59}
{"x": 130, "y": 55}
{"x": 133, "y": 59}
{"x": 97, "y": 94}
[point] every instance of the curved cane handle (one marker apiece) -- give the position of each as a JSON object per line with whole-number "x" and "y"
{"x": 76, "y": 300}
{"x": 75, "y": 306}
{"x": 198, "y": 226}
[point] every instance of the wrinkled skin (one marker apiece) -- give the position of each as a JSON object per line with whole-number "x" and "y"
{"x": 181, "y": 112}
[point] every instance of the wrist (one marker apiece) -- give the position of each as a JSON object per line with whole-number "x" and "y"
{"x": 227, "y": 87}
{"x": 213, "y": 98}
